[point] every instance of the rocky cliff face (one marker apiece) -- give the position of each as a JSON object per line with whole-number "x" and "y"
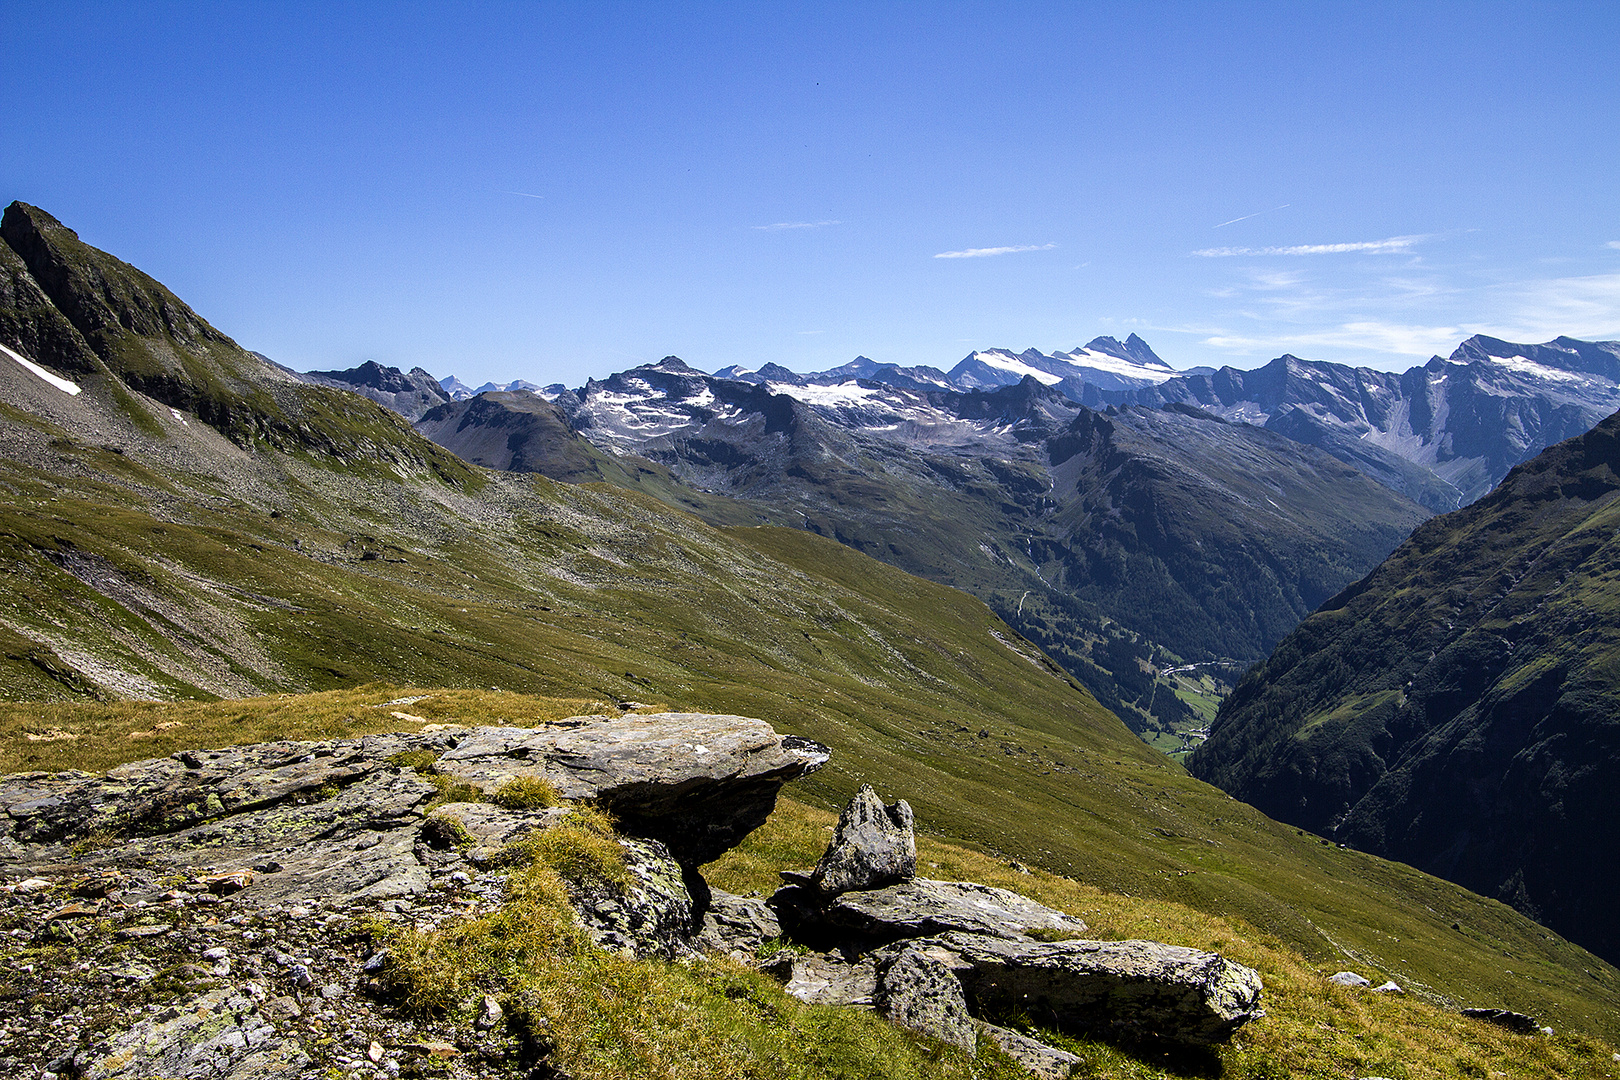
{"x": 1456, "y": 709}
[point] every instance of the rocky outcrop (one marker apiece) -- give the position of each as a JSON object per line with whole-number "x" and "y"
{"x": 243, "y": 879}
{"x": 696, "y": 782}
{"x": 940, "y": 956}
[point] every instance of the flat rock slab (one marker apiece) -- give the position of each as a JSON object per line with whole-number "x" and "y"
{"x": 284, "y": 821}
{"x": 1139, "y": 990}
{"x": 822, "y": 980}
{"x": 922, "y": 907}
{"x": 696, "y": 781}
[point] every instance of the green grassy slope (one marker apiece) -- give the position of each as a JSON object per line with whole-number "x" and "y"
{"x": 1458, "y": 708}
{"x": 185, "y": 565}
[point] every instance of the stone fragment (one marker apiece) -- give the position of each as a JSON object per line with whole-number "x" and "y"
{"x": 1046, "y": 1062}
{"x": 920, "y": 907}
{"x": 374, "y": 1051}
{"x": 1131, "y": 989}
{"x": 918, "y": 990}
{"x": 1389, "y": 987}
{"x": 132, "y": 932}
{"x": 1349, "y": 978}
{"x": 433, "y": 1049}
{"x": 1505, "y": 1018}
{"x": 873, "y": 846}
{"x": 490, "y": 1014}
{"x": 823, "y": 980}
{"x": 228, "y": 883}
{"x": 97, "y": 886}
{"x": 737, "y": 925}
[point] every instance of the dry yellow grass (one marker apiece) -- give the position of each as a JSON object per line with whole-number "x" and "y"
{"x": 1313, "y": 1028}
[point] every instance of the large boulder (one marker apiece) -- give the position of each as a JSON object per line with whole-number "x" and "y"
{"x": 1132, "y": 990}
{"x": 920, "y": 991}
{"x": 920, "y": 907}
{"x": 874, "y": 845}
{"x": 697, "y": 782}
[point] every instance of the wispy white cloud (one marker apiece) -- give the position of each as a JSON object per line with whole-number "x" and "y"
{"x": 525, "y": 194}
{"x": 780, "y": 226}
{"x": 811, "y": 331}
{"x": 1613, "y": 244}
{"x": 1395, "y": 245}
{"x": 1246, "y": 217}
{"x": 1368, "y": 335}
{"x": 1581, "y": 307}
{"x": 983, "y": 253}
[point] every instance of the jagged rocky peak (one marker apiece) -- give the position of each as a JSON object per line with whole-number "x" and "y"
{"x": 104, "y": 297}
{"x": 411, "y": 394}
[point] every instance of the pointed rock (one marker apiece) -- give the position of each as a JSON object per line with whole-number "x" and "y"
{"x": 874, "y": 846}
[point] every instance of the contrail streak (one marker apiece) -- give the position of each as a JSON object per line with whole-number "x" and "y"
{"x": 1246, "y": 217}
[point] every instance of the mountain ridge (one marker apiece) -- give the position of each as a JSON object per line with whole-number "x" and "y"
{"x": 1455, "y": 708}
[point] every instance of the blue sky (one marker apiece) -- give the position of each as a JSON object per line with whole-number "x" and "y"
{"x": 556, "y": 191}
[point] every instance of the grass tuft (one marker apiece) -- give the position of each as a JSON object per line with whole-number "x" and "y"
{"x": 526, "y": 793}
{"x": 583, "y": 847}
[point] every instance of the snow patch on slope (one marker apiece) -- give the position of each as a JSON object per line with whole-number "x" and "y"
{"x": 1113, "y": 365}
{"x": 830, "y": 396}
{"x": 57, "y": 381}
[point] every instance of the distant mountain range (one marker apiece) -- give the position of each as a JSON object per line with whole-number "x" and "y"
{"x": 1459, "y": 708}
{"x": 1171, "y": 556}
{"x": 1121, "y": 543}
{"x": 1442, "y": 433}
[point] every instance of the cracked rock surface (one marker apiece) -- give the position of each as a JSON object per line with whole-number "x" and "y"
{"x": 209, "y": 914}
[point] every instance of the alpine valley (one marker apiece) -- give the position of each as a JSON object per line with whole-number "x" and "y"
{"x": 202, "y": 549}
{"x": 1154, "y": 548}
